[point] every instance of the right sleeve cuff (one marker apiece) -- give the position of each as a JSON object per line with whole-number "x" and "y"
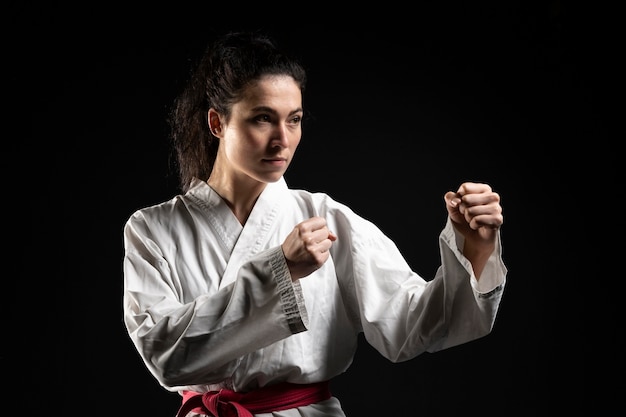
{"x": 290, "y": 292}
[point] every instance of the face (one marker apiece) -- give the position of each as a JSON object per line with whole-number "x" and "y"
{"x": 264, "y": 130}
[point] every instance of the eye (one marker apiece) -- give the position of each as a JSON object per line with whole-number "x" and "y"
{"x": 263, "y": 118}
{"x": 295, "y": 120}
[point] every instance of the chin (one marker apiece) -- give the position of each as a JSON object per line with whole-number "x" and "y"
{"x": 270, "y": 177}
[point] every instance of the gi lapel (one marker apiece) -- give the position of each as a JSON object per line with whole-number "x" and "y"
{"x": 257, "y": 230}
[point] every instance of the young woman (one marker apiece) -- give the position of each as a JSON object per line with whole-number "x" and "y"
{"x": 246, "y": 295}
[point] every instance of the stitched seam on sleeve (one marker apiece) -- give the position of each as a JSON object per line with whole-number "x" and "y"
{"x": 291, "y": 296}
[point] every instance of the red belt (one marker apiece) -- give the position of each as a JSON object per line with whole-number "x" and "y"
{"x": 227, "y": 403}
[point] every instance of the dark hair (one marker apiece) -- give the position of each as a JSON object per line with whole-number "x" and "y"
{"x": 228, "y": 66}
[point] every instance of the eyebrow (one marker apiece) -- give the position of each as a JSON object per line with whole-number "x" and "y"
{"x": 273, "y": 111}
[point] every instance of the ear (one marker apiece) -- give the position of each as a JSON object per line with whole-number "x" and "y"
{"x": 215, "y": 123}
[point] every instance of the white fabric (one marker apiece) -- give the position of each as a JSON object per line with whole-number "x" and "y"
{"x": 209, "y": 303}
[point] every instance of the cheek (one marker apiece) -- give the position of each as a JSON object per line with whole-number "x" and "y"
{"x": 238, "y": 141}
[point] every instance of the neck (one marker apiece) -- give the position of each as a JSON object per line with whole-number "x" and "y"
{"x": 240, "y": 196}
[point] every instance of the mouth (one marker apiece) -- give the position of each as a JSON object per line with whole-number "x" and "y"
{"x": 277, "y": 161}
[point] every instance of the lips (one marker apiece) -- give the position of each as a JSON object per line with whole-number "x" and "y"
{"x": 275, "y": 159}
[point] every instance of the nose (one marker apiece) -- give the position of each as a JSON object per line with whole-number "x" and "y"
{"x": 280, "y": 136}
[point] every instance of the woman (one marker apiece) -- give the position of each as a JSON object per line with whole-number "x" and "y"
{"x": 243, "y": 294}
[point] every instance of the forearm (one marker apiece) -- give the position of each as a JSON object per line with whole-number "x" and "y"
{"x": 478, "y": 255}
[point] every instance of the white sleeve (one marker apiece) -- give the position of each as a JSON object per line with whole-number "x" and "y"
{"x": 182, "y": 343}
{"x": 403, "y": 314}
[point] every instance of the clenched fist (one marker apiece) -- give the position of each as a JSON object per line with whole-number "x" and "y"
{"x": 306, "y": 248}
{"x": 476, "y": 213}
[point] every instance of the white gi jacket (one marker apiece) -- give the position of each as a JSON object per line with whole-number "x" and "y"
{"x": 210, "y": 303}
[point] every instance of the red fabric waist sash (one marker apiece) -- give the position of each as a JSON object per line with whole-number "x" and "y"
{"x": 227, "y": 403}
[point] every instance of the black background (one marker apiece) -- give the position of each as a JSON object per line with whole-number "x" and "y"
{"x": 405, "y": 104}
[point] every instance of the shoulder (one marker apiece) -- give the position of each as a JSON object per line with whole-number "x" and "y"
{"x": 321, "y": 203}
{"x": 316, "y": 198}
{"x": 198, "y": 195}
{"x": 156, "y": 211}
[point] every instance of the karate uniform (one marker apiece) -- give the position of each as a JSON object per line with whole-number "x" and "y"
{"x": 210, "y": 304}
